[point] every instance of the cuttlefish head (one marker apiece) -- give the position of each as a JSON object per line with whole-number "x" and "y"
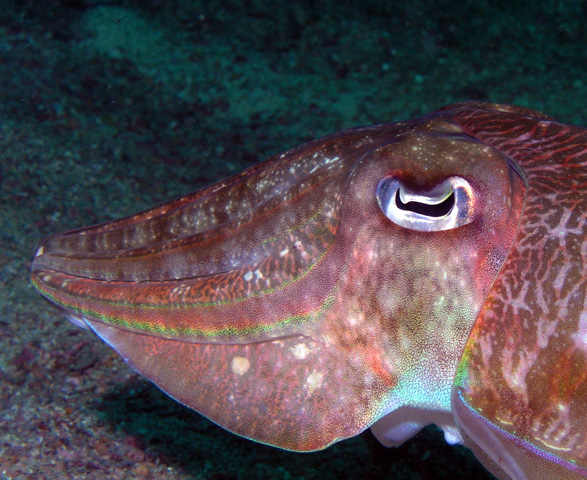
{"x": 383, "y": 276}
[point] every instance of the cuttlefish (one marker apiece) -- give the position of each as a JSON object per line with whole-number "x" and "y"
{"x": 391, "y": 276}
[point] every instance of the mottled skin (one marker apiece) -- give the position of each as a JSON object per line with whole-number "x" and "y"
{"x": 525, "y": 365}
{"x": 284, "y": 305}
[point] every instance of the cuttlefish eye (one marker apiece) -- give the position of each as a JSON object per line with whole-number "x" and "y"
{"x": 448, "y": 205}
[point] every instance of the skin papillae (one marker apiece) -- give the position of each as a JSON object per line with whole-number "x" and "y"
{"x": 287, "y": 305}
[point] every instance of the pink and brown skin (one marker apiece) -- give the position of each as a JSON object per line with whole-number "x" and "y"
{"x": 391, "y": 276}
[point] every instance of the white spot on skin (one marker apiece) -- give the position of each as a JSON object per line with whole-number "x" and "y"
{"x": 300, "y": 246}
{"x": 284, "y": 252}
{"x": 355, "y": 317}
{"x": 248, "y": 276}
{"x": 258, "y": 274}
{"x": 580, "y": 336}
{"x": 369, "y": 254}
{"x": 240, "y": 366}
{"x": 314, "y": 381}
{"x": 300, "y": 351}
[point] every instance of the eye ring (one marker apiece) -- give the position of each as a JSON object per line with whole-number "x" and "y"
{"x": 448, "y": 205}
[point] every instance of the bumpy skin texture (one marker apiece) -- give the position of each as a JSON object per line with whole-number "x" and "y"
{"x": 284, "y": 304}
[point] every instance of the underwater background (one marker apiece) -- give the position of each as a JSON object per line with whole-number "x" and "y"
{"x": 109, "y": 107}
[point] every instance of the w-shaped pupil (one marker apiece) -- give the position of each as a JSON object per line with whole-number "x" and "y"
{"x": 430, "y": 210}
